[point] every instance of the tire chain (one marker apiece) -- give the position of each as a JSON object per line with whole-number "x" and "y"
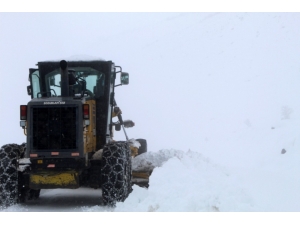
{"x": 116, "y": 172}
{"x": 9, "y": 155}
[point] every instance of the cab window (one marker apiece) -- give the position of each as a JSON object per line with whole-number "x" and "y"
{"x": 35, "y": 84}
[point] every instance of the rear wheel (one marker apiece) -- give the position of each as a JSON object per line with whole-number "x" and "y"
{"x": 9, "y": 185}
{"x": 13, "y": 188}
{"x": 116, "y": 172}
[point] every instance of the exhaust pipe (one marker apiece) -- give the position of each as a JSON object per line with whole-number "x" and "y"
{"x": 64, "y": 78}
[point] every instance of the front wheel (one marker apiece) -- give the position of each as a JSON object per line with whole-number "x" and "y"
{"x": 116, "y": 172}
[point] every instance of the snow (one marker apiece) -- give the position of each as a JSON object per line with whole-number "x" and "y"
{"x": 217, "y": 98}
{"x": 24, "y": 161}
{"x": 98, "y": 154}
{"x": 188, "y": 182}
{"x": 134, "y": 143}
{"x": 76, "y": 58}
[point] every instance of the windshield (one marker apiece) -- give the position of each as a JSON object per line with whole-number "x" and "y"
{"x": 81, "y": 80}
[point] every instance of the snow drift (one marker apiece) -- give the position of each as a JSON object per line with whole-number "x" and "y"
{"x": 186, "y": 181}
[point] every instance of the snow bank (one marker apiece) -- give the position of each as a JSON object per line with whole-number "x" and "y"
{"x": 150, "y": 160}
{"x": 186, "y": 181}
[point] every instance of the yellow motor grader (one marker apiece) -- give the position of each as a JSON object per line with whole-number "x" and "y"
{"x": 69, "y": 128}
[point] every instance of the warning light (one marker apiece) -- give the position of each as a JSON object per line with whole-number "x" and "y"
{"x": 23, "y": 112}
{"x": 86, "y": 111}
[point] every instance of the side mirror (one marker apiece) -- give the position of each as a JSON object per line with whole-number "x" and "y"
{"x": 124, "y": 78}
{"x": 128, "y": 123}
{"x": 29, "y": 90}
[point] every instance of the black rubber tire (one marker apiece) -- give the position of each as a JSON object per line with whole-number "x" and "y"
{"x": 9, "y": 175}
{"x": 143, "y": 147}
{"x": 116, "y": 172}
{"x": 12, "y": 182}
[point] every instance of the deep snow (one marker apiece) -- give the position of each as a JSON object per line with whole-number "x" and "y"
{"x": 217, "y": 97}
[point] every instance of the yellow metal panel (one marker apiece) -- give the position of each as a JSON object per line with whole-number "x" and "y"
{"x": 45, "y": 180}
{"x": 144, "y": 175}
{"x": 89, "y": 136}
{"x": 134, "y": 151}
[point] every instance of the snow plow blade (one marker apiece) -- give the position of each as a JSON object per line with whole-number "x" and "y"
{"x": 141, "y": 178}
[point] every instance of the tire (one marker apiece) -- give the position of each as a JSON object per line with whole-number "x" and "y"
{"x": 143, "y": 147}
{"x": 9, "y": 175}
{"x": 12, "y": 182}
{"x": 116, "y": 172}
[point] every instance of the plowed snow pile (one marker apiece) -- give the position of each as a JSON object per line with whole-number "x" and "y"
{"x": 185, "y": 181}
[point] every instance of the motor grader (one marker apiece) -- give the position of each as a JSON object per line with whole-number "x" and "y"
{"x": 70, "y": 134}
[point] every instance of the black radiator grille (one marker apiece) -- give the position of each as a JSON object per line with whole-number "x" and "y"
{"x": 54, "y": 128}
